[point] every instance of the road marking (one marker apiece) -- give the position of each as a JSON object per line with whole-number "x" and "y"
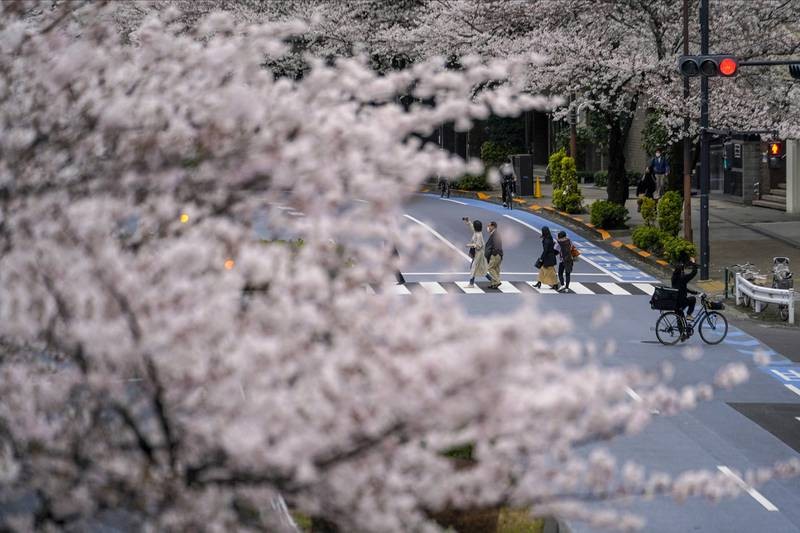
{"x": 579, "y": 288}
{"x": 614, "y": 276}
{"x": 613, "y": 288}
{"x": 439, "y": 236}
{"x": 632, "y": 393}
{"x": 793, "y": 389}
{"x": 360, "y": 200}
{"x": 541, "y": 290}
{"x": 454, "y": 201}
{"x": 369, "y": 289}
{"x": 797, "y": 418}
{"x": 646, "y": 287}
{"x": 469, "y": 290}
{"x": 504, "y": 273}
{"x": 757, "y": 496}
{"x": 433, "y": 287}
{"x": 508, "y": 288}
{"x": 399, "y": 289}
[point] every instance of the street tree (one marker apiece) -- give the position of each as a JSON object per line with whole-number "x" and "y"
{"x": 167, "y": 365}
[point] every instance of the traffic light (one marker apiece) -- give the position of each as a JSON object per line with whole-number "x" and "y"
{"x": 711, "y": 65}
{"x": 794, "y": 70}
{"x": 775, "y": 149}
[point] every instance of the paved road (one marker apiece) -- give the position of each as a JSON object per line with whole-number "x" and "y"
{"x": 754, "y": 425}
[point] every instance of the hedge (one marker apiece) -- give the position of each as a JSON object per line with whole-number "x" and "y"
{"x": 473, "y": 183}
{"x": 608, "y": 215}
{"x": 670, "y": 207}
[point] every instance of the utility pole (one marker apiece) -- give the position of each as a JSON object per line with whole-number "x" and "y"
{"x": 705, "y": 160}
{"x": 573, "y": 131}
{"x": 687, "y": 143}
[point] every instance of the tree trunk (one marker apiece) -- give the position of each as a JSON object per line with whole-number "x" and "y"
{"x": 617, "y": 180}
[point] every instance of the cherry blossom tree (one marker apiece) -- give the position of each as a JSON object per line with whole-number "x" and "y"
{"x": 168, "y": 365}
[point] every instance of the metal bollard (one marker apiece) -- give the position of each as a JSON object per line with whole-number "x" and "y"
{"x": 537, "y": 187}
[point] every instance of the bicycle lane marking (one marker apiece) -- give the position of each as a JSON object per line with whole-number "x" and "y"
{"x": 604, "y": 261}
{"x": 780, "y": 368}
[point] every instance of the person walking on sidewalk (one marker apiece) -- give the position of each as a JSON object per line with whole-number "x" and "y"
{"x": 494, "y": 255}
{"x": 476, "y": 246}
{"x": 508, "y": 186}
{"x": 565, "y": 260}
{"x": 547, "y": 261}
{"x": 646, "y": 188}
{"x": 660, "y": 169}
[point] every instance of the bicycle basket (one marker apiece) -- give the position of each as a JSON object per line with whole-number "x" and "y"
{"x": 664, "y": 299}
{"x": 787, "y": 283}
{"x": 716, "y": 306}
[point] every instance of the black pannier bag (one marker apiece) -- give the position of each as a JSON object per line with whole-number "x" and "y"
{"x": 664, "y": 299}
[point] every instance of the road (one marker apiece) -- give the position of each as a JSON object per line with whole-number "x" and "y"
{"x": 753, "y": 425}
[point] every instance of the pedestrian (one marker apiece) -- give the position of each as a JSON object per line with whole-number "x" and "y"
{"x": 508, "y": 186}
{"x": 547, "y": 261}
{"x": 680, "y": 281}
{"x": 646, "y": 187}
{"x": 444, "y": 187}
{"x": 476, "y": 246}
{"x": 660, "y": 169}
{"x": 565, "y": 260}
{"x": 494, "y": 255}
{"x": 401, "y": 280}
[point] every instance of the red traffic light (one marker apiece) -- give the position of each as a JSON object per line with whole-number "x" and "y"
{"x": 728, "y": 66}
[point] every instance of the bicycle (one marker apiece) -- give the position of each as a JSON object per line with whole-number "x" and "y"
{"x": 444, "y": 187}
{"x": 749, "y": 272}
{"x": 673, "y": 326}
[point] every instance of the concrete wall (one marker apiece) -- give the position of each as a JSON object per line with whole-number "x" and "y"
{"x": 793, "y": 176}
{"x": 635, "y": 158}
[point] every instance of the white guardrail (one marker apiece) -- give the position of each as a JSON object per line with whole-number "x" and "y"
{"x": 765, "y": 295}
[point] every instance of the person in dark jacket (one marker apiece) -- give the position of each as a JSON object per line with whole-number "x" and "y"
{"x": 565, "y": 260}
{"x": 547, "y": 270}
{"x": 646, "y": 187}
{"x": 680, "y": 281}
{"x": 660, "y": 167}
{"x": 508, "y": 186}
{"x": 494, "y": 255}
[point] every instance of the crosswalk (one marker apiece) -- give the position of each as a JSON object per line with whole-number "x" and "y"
{"x": 514, "y": 287}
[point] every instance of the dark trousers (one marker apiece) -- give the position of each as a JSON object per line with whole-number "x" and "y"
{"x": 563, "y": 273}
{"x": 690, "y": 302}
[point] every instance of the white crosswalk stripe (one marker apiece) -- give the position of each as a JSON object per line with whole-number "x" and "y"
{"x": 433, "y": 287}
{"x": 541, "y": 290}
{"x": 508, "y": 288}
{"x": 579, "y": 288}
{"x": 613, "y": 288}
{"x": 514, "y": 287}
{"x": 469, "y": 290}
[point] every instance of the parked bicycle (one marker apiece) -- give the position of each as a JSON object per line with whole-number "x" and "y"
{"x": 673, "y": 326}
{"x": 782, "y": 278}
{"x": 749, "y": 272}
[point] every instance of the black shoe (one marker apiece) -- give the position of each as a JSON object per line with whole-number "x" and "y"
{"x": 488, "y": 277}
{"x": 538, "y": 285}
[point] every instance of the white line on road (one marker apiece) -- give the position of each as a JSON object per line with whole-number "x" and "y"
{"x": 797, "y": 418}
{"x": 439, "y": 236}
{"x": 504, "y": 273}
{"x": 454, "y": 201}
{"x": 433, "y": 287}
{"x": 399, "y": 289}
{"x": 757, "y": 496}
{"x": 508, "y": 288}
{"x": 793, "y": 389}
{"x": 544, "y": 289}
{"x": 613, "y": 288}
{"x": 469, "y": 290}
{"x": 598, "y": 267}
{"x": 646, "y": 287}
{"x": 633, "y": 394}
{"x": 579, "y": 288}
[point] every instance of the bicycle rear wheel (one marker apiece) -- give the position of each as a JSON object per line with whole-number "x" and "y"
{"x": 668, "y": 328}
{"x": 713, "y": 328}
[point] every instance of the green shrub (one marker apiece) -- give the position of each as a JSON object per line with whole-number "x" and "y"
{"x": 608, "y": 215}
{"x": 676, "y": 248}
{"x": 670, "y": 207}
{"x": 473, "y": 183}
{"x": 601, "y": 178}
{"x": 495, "y": 154}
{"x": 585, "y": 175}
{"x": 648, "y": 238}
{"x": 567, "y": 196}
{"x": 648, "y": 211}
{"x": 554, "y": 167}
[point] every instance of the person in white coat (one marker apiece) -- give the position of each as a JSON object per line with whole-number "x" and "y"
{"x": 476, "y": 246}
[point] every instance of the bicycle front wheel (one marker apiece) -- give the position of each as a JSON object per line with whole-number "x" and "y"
{"x": 713, "y": 328}
{"x": 668, "y": 328}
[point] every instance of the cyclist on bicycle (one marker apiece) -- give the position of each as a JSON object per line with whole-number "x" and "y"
{"x": 680, "y": 281}
{"x": 444, "y": 187}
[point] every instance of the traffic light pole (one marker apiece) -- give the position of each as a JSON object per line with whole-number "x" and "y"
{"x": 705, "y": 176}
{"x": 687, "y": 143}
